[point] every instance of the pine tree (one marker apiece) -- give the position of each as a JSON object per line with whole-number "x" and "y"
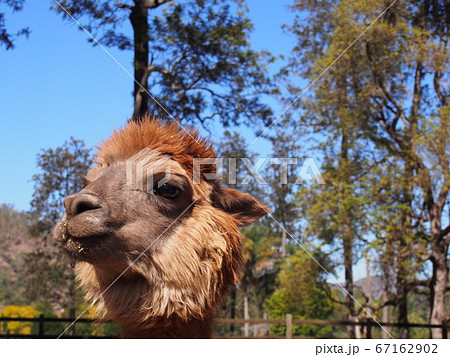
{"x": 193, "y": 56}
{"x": 303, "y": 292}
{"x": 61, "y": 170}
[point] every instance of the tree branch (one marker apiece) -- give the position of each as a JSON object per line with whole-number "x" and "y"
{"x": 124, "y": 6}
{"x": 152, "y": 4}
{"x": 445, "y": 231}
{"x": 214, "y": 94}
{"x": 417, "y": 96}
{"x": 437, "y": 88}
{"x": 393, "y": 301}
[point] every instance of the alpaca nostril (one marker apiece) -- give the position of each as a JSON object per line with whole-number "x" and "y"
{"x": 80, "y": 203}
{"x": 85, "y": 206}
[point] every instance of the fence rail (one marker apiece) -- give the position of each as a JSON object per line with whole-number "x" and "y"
{"x": 368, "y": 324}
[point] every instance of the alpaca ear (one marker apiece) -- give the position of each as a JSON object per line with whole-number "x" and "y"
{"x": 242, "y": 206}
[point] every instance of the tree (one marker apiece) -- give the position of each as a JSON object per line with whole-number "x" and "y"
{"x": 259, "y": 244}
{"x": 282, "y": 176}
{"x": 44, "y": 277}
{"x": 334, "y": 213}
{"x": 398, "y": 251}
{"x": 302, "y": 291}
{"x": 262, "y": 262}
{"x": 6, "y": 38}
{"x": 50, "y": 328}
{"x": 394, "y": 82}
{"x": 61, "y": 172}
{"x": 15, "y": 239}
{"x": 194, "y": 55}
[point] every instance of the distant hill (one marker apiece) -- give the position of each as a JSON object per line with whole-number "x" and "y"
{"x": 15, "y": 238}
{"x": 373, "y": 286}
{"x": 15, "y": 242}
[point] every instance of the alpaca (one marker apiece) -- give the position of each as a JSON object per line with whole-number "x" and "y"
{"x": 156, "y": 261}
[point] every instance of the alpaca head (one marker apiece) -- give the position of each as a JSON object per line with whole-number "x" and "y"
{"x": 169, "y": 246}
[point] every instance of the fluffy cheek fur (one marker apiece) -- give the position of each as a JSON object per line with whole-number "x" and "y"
{"x": 183, "y": 279}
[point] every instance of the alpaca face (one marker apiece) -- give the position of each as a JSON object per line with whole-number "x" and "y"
{"x": 165, "y": 251}
{"x": 109, "y": 222}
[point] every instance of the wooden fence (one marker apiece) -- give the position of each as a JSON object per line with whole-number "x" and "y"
{"x": 367, "y": 324}
{"x": 41, "y": 321}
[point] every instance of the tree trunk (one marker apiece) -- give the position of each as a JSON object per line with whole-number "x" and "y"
{"x": 246, "y": 312}
{"x": 403, "y": 265}
{"x": 139, "y": 21}
{"x": 348, "y": 266}
{"x": 368, "y": 287}
{"x": 438, "y": 287}
{"x": 283, "y": 242}
{"x": 385, "y": 331}
{"x": 402, "y": 313}
{"x": 233, "y": 308}
{"x": 402, "y": 237}
{"x": 72, "y": 301}
{"x": 347, "y": 237}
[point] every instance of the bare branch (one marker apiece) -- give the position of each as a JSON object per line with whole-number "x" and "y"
{"x": 152, "y": 4}
{"x": 437, "y": 88}
{"x": 445, "y": 232}
{"x": 214, "y": 94}
{"x": 124, "y": 6}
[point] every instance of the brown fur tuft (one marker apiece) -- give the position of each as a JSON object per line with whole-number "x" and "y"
{"x": 166, "y": 137}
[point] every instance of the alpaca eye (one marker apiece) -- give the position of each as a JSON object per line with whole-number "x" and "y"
{"x": 167, "y": 191}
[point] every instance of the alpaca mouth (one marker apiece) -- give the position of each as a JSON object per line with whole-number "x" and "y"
{"x": 76, "y": 244}
{"x": 73, "y": 244}
{"x": 83, "y": 249}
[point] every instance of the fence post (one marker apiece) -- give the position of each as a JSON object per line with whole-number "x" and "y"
{"x": 444, "y": 329}
{"x": 289, "y": 326}
{"x": 41, "y": 325}
{"x": 369, "y": 328}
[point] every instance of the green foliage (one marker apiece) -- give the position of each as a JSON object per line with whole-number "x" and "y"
{"x": 212, "y": 73}
{"x": 382, "y": 111}
{"x": 50, "y": 328}
{"x": 14, "y": 240}
{"x": 60, "y": 176}
{"x": 261, "y": 257}
{"x": 108, "y": 329}
{"x": 303, "y": 293}
{"x": 6, "y": 38}
{"x": 200, "y": 63}
{"x": 418, "y": 314}
{"x": 43, "y": 277}
{"x": 47, "y": 273}
{"x": 281, "y": 188}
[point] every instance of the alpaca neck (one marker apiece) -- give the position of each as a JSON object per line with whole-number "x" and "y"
{"x": 168, "y": 328}
{"x": 124, "y": 302}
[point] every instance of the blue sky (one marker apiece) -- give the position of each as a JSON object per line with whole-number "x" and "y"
{"x": 55, "y": 85}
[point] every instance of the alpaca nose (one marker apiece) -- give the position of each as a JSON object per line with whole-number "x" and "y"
{"x": 81, "y": 202}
